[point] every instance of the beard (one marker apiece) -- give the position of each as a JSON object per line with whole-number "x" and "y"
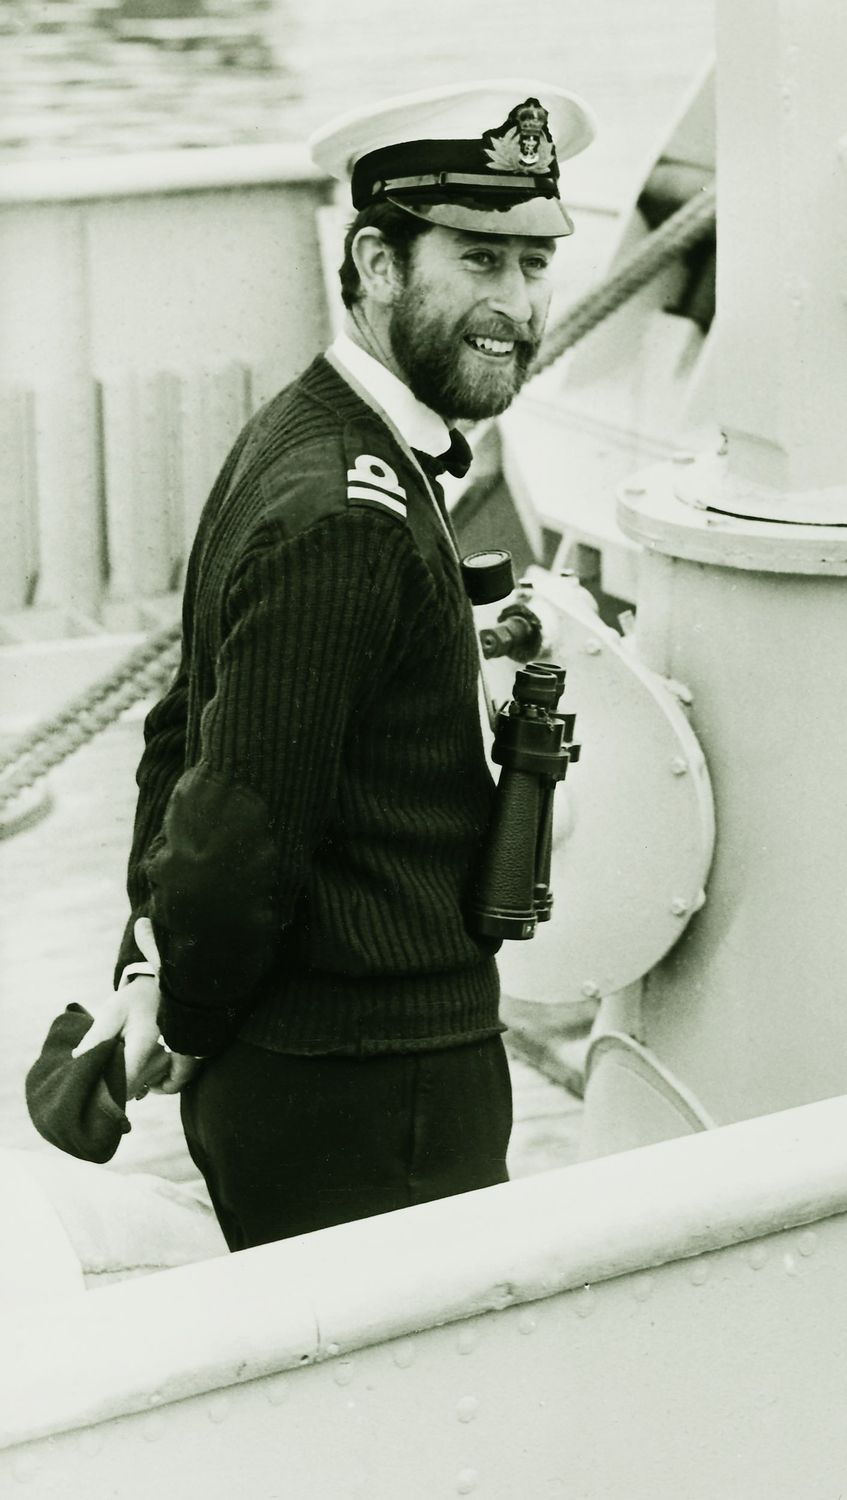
{"x": 442, "y": 369}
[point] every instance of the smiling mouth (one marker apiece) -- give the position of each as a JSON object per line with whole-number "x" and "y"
{"x": 491, "y": 348}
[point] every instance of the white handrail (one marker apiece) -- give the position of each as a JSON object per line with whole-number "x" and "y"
{"x": 133, "y": 174}
{"x": 139, "y": 1344}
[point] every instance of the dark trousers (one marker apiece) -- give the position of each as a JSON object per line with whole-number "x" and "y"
{"x": 292, "y": 1144}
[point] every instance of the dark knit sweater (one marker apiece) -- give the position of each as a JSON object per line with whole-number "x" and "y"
{"x": 314, "y": 790}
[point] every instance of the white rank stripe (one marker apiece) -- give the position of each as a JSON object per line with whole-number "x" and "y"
{"x": 381, "y": 478}
{"x": 364, "y": 492}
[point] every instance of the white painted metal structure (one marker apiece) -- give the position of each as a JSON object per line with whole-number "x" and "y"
{"x": 742, "y": 596}
{"x": 668, "y": 1322}
{"x": 150, "y": 303}
{"x": 633, "y": 823}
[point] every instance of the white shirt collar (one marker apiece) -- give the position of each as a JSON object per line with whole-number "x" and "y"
{"x": 417, "y": 424}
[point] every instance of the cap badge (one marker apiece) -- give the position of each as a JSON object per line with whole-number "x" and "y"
{"x": 523, "y": 143}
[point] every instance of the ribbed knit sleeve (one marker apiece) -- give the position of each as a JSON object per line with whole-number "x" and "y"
{"x": 308, "y": 629}
{"x": 163, "y": 760}
{"x": 159, "y": 770}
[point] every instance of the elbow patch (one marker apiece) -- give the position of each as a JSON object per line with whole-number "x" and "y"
{"x": 213, "y": 888}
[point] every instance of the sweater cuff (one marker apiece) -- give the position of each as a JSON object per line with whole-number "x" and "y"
{"x": 196, "y": 1030}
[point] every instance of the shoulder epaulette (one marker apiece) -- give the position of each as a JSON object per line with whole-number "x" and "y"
{"x": 372, "y": 482}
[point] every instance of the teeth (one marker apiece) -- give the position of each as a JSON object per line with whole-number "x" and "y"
{"x": 492, "y": 346}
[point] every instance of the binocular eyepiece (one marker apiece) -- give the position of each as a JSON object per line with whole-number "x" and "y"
{"x": 533, "y": 744}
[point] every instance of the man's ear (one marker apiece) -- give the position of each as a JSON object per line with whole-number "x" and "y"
{"x": 376, "y": 267}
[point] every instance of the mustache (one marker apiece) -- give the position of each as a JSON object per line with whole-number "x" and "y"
{"x": 498, "y": 330}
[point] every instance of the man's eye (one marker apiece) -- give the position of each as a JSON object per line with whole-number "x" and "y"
{"x": 480, "y": 257}
{"x": 536, "y": 264}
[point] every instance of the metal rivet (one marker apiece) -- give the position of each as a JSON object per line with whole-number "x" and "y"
{"x": 218, "y": 1410}
{"x": 679, "y": 766}
{"x": 808, "y": 1243}
{"x": 343, "y": 1373}
{"x": 679, "y": 906}
{"x": 467, "y": 1408}
{"x": 155, "y": 1399}
{"x": 585, "y": 1302}
{"x": 333, "y": 1349}
{"x": 634, "y": 489}
{"x": 404, "y": 1354}
{"x": 757, "y": 1256}
{"x": 275, "y": 1391}
{"x": 467, "y": 1481}
{"x": 790, "y": 1263}
{"x": 467, "y": 1340}
{"x": 527, "y": 1322}
{"x": 699, "y": 1272}
{"x": 593, "y": 648}
{"x": 152, "y": 1428}
{"x": 590, "y": 990}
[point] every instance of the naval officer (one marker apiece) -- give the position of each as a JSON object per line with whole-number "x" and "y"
{"x": 313, "y": 791}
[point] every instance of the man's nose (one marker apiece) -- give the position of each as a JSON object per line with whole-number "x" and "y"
{"x": 511, "y": 297}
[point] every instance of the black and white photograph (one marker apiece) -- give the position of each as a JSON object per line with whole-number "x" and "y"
{"x": 423, "y": 879}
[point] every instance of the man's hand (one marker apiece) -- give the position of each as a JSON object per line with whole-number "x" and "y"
{"x": 131, "y": 1013}
{"x": 181, "y": 1069}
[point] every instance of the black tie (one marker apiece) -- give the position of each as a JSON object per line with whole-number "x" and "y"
{"x": 457, "y": 459}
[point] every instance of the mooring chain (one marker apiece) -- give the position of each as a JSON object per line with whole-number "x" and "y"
{"x": 45, "y": 747}
{"x": 52, "y": 742}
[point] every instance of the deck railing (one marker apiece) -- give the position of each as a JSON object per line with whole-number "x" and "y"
{"x": 662, "y": 1323}
{"x": 151, "y": 303}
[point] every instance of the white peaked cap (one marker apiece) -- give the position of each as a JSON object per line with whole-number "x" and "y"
{"x": 480, "y": 156}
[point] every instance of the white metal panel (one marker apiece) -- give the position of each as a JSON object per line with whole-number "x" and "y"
{"x": 724, "y": 1375}
{"x": 213, "y": 406}
{"x": 200, "y": 266}
{"x": 749, "y": 1009}
{"x": 194, "y": 280}
{"x": 203, "y": 1327}
{"x": 71, "y": 532}
{"x": 633, "y": 824}
{"x": 17, "y": 498}
{"x": 782, "y": 385}
{"x": 142, "y": 496}
{"x": 661, "y": 1324}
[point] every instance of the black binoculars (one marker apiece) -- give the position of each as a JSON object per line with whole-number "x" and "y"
{"x": 534, "y": 746}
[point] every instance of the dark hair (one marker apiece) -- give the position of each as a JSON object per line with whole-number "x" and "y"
{"x": 398, "y": 228}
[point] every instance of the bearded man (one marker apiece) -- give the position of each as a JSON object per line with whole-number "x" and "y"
{"x": 314, "y": 792}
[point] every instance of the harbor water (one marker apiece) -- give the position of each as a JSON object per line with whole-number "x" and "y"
{"x": 94, "y": 77}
